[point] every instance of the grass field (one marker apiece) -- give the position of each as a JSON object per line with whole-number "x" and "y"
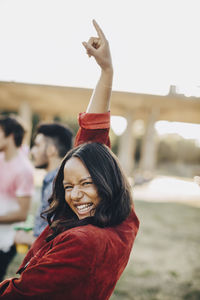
{"x": 165, "y": 261}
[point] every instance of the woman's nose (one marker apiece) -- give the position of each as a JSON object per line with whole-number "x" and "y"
{"x": 76, "y": 193}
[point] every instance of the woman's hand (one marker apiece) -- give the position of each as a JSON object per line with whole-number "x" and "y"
{"x": 98, "y": 47}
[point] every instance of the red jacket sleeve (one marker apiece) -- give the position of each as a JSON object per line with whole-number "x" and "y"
{"x": 93, "y": 128}
{"x": 59, "y": 267}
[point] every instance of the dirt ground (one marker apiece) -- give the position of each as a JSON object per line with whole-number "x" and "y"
{"x": 165, "y": 261}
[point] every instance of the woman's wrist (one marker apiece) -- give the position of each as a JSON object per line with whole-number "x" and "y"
{"x": 107, "y": 70}
{"x": 107, "y": 77}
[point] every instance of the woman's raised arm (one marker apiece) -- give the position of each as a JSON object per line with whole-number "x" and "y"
{"x": 98, "y": 47}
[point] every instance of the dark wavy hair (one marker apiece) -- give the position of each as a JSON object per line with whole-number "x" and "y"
{"x": 112, "y": 186}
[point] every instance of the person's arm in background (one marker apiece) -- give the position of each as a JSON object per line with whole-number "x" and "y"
{"x": 95, "y": 123}
{"x": 23, "y": 193}
{"x": 20, "y": 214}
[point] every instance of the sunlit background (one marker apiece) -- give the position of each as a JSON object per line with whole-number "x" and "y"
{"x": 154, "y": 44}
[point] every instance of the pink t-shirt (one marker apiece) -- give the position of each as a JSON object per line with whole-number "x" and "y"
{"x": 16, "y": 176}
{"x": 16, "y": 180}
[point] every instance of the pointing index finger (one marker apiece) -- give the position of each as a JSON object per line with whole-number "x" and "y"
{"x": 98, "y": 30}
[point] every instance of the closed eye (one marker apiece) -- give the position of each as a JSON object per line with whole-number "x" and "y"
{"x": 87, "y": 183}
{"x": 67, "y": 187}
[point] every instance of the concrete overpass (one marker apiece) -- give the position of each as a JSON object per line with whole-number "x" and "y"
{"x": 50, "y": 101}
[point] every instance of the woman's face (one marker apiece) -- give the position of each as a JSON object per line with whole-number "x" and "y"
{"x": 80, "y": 192}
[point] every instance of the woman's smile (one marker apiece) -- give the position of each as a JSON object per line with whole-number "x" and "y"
{"x": 83, "y": 209}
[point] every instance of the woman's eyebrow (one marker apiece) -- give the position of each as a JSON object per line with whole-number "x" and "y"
{"x": 64, "y": 182}
{"x": 85, "y": 178}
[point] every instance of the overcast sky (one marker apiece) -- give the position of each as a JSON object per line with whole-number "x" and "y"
{"x": 154, "y": 43}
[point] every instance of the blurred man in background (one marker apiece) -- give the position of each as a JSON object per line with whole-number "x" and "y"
{"x": 16, "y": 186}
{"x": 51, "y": 143}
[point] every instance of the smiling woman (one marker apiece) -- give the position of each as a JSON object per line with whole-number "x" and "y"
{"x": 92, "y": 223}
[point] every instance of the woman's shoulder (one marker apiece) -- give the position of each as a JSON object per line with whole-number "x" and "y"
{"x": 87, "y": 232}
{"x": 97, "y": 235}
{"x": 88, "y": 237}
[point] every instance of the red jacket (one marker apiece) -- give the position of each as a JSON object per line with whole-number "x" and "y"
{"x": 82, "y": 263}
{"x": 93, "y": 128}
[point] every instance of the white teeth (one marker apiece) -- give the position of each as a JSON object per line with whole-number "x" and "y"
{"x": 83, "y": 207}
